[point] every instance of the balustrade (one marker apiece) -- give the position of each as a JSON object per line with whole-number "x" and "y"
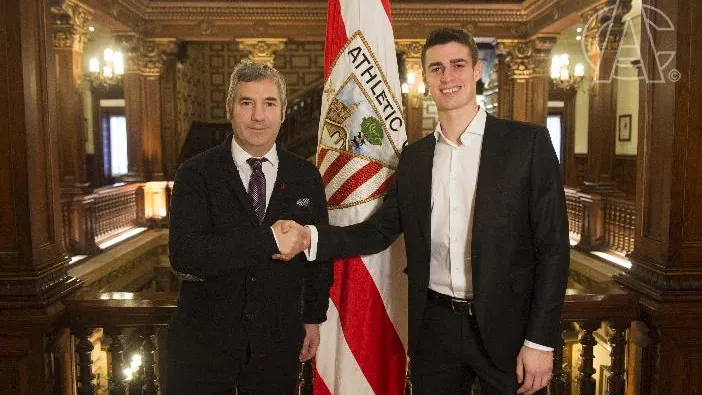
{"x": 575, "y": 211}
{"x": 131, "y": 323}
{"x": 619, "y": 222}
{"x": 115, "y": 210}
{"x": 601, "y": 223}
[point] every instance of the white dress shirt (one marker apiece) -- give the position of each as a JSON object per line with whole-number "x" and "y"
{"x": 453, "y": 181}
{"x": 269, "y": 167}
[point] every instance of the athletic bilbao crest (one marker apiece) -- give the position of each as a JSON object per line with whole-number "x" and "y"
{"x": 363, "y": 121}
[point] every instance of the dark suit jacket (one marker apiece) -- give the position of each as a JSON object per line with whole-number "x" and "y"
{"x": 246, "y": 298}
{"x": 520, "y": 249}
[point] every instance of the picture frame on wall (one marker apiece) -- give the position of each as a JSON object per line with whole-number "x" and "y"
{"x": 624, "y": 128}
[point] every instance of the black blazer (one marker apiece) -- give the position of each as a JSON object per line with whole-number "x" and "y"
{"x": 245, "y": 298}
{"x": 520, "y": 249}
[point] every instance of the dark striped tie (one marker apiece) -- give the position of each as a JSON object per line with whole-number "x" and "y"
{"x": 257, "y": 187}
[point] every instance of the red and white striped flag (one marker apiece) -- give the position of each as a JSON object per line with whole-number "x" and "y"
{"x": 361, "y": 133}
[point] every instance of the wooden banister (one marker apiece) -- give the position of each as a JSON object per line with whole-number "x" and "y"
{"x": 149, "y": 310}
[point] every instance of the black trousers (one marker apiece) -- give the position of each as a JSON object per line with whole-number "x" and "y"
{"x": 195, "y": 368}
{"x": 450, "y": 355}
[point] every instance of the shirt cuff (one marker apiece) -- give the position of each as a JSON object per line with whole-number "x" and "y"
{"x": 276, "y": 239}
{"x": 311, "y": 253}
{"x": 537, "y": 346}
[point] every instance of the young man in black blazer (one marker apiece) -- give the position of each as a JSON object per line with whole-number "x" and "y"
{"x": 244, "y": 320}
{"x": 482, "y": 209}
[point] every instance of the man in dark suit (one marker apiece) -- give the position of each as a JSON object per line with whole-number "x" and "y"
{"x": 244, "y": 320}
{"x": 482, "y": 209}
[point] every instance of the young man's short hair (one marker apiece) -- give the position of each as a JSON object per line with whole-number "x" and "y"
{"x": 451, "y": 35}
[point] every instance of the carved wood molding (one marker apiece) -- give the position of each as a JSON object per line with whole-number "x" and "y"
{"x": 411, "y": 48}
{"x": 649, "y": 278}
{"x": 146, "y": 56}
{"x": 69, "y": 20}
{"x": 527, "y": 58}
{"x": 307, "y": 19}
{"x": 262, "y": 49}
{"x": 599, "y": 39}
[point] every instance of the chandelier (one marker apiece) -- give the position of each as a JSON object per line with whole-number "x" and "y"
{"x": 563, "y": 76}
{"x": 108, "y": 72}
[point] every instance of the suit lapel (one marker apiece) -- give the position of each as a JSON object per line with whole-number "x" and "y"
{"x": 279, "y": 199}
{"x": 493, "y": 156}
{"x": 230, "y": 175}
{"x": 423, "y": 169}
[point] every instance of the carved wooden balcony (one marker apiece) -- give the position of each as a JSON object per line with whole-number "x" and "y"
{"x": 142, "y": 317}
{"x": 601, "y": 223}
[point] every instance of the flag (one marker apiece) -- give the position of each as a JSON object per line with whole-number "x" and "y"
{"x": 361, "y": 133}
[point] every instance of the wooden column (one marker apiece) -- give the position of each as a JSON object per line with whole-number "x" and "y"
{"x": 524, "y": 78}
{"x": 567, "y": 96}
{"x": 169, "y": 118}
{"x": 142, "y": 94}
{"x": 603, "y": 33}
{"x": 414, "y": 106}
{"x": 667, "y": 258}
{"x": 133, "y": 103}
{"x": 262, "y": 50}
{"x": 69, "y": 20}
{"x": 69, "y": 36}
{"x": 33, "y": 265}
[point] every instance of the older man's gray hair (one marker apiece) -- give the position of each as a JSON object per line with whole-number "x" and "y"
{"x": 249, "y": 71}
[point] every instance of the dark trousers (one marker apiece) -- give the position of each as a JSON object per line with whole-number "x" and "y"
{"x": 450, "y": 355}
{"x": 195, "y": 368}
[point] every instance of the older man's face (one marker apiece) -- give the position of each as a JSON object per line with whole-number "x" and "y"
{"x": 256, "y": 114}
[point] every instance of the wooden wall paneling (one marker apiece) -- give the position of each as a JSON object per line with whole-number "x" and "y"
{"x": 153, "y": 154}
{"x": 32, "y": 262}
{"x": 624, "y": 174}
{"x": 580, "y": 168}
{"x": 169, "y": 118}
{"x": 668, "y": 246}
{"x": 504, "y": 94}
{"x": 603, "y": 51}
{"x": 568, "y": 136}
{"x": 191, "y": 91}
{"x": 570, "y": 177}
{"x": 133, "y": 111}
{"x": 69, "y": 35}
{"x": 667, "y": 257}
{"x": 221, "y": 59}
{"x": 302, "y": 64}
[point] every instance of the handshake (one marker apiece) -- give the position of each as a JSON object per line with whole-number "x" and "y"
{"x": 292, "y": 239}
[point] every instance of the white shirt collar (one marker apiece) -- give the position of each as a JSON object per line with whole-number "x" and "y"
{"x": 476, "y": 126}
{"x": 240, "y": 155}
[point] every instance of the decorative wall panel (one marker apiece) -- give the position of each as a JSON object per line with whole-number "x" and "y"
{"x": 190, "y": 90}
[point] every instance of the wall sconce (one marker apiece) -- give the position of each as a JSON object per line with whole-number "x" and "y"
{"x": 108, "y": 72}
{"x": 412, "y": 91}
{"x": 563, "y": 76}
{"x": 156, "y": 198}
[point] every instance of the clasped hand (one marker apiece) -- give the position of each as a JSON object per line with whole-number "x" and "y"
{"x": 292, "y": 239}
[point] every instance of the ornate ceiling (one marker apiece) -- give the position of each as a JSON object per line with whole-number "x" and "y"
{"x": 305, "y": 20}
